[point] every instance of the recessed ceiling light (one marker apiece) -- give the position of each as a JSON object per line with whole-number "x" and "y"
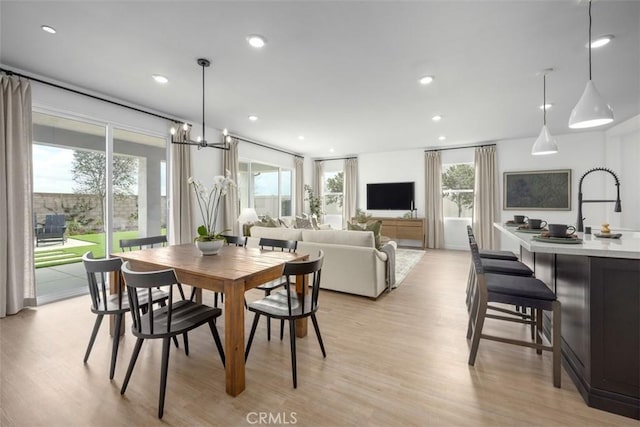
{"x": 331, "y": 150}
{"x": 436, "y": 118}
{"x": 301, "y": 137}
{"x": 48, "y": 29}
{"x": 253, "y": 118}
{"x": 601, "y": 41}
{"x": 426, "y": 80}
{"x": 547, "y": 106}
{"x": 442, "y": 138}
{"x": 256, "y": 40}
{"x": 160, "y": 79}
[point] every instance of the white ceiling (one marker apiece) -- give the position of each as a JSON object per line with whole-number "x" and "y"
{"x": 343, "y": 74}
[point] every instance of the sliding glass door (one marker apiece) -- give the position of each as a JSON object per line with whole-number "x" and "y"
{"x": 99, "y": 184}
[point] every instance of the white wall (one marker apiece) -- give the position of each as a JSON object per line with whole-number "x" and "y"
{"x": 623, "y": 156}
{"x": 50, "y": 99}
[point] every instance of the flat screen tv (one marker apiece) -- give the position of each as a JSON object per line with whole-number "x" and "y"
{"x": 390, "y": 196}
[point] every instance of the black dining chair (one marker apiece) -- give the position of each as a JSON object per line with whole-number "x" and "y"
{"x": 176, "y": 318}
{"x": 289, "y": 305}
{"x": 282, "y": 245}
{"x": 105, "y": 304}
{"x": 516, "y": 290}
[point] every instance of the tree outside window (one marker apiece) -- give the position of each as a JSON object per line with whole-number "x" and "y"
{"x": 457, "y": 190}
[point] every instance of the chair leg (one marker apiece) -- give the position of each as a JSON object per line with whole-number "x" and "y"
{"x": 116, "y": 343}
{"x": 473, "y": 312}
{"x": 477, "y": 331}
{"x": 253, "y": 331}
{"x": 470, "y": 281}
{"x": 267, "y": 293}
{"x": 556, "y": 343}
{"x": 163, "y": 375}
{"x": 215, "y": 299}
{"x": 181, "y": 291}
{"x": 281, "y": 329}
{"x": 538, "y": 325}
{"x": 186, "y": 343}
{"x": 175, "y": 341}
{"x": 534, "y": 321}
{"x": 216, "y": 338}
{"x": 94, "y": 333}
{"x": 315, "y": 326}
{"x": 132, "y": 364}
{"x": 292, "y": 339}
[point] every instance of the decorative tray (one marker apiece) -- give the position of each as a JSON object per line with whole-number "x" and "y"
{"x": 608, "y": 235}
{"x": 569, "y": 240}
{"x": 526, "y": 229}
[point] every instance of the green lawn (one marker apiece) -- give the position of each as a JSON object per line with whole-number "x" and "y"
{"x": 70, "y": 255}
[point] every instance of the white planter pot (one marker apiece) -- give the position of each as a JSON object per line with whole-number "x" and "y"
{"x": 211, "y": 247}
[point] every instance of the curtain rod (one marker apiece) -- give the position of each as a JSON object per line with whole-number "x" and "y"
{"x": 459, "y": 148}
{"x": 265, "y": 146}
{"x": 119, "y": 104}
{"x": 336, "y": 158}
{"x": 79, "y": 92}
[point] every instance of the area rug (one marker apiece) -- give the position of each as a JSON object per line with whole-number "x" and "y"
{"x": 406, "y": 259}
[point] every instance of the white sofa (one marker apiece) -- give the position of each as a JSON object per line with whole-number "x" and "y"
{"x": 352, "y": 263}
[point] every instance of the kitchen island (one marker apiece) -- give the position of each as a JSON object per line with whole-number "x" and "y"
{"x": 598, "y": 284}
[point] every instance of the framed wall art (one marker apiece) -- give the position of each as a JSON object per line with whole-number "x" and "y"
{"x": 537, "y": 190}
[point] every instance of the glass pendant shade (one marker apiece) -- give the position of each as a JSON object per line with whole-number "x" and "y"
{"x": 591, "y": 110}
{"x": 545, "y": 144}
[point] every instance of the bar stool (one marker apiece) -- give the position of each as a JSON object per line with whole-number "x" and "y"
{"x": 518, "y": 290}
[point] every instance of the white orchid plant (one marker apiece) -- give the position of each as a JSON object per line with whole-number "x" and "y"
{"x": 209, "y": 204}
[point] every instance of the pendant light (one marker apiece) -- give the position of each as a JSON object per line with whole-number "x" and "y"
{"x": 181, "y": 135}
{"x": 591, "y": 110}
{"x": 545, "y": 144}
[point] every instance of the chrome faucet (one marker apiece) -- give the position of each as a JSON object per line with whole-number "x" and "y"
{"x": 618, "y": 206}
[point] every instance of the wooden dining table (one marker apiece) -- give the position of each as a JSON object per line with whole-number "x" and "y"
{"x": 232, "y": 271}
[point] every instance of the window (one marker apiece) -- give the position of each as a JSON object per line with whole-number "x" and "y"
{"x": 265, "y": 188}
{"x": 332, "y": 192}
{"x": 457, "y": 190}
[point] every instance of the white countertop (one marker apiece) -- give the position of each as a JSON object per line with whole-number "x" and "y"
{"x": 627, "y": 246}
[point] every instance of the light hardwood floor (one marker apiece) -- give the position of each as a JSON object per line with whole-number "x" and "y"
{"x": 397, "y": 361}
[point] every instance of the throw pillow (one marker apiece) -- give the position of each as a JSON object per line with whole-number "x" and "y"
{"x": 283, "y": 223}
{"x": 303, "y": 223}
{"x": 267, "y": 221}
{"x": 375, "y": 226}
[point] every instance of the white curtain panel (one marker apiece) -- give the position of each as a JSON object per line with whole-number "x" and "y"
{"x": 433, "y": 198}
{"x": 17, "y": 274}
{"x": 318, "y": 171}
{"x": 299, "y": 187}
{"x": 350, "y": 191}
{"x": 231, "y": 205}
{"x": 180, "y": 225}
{"x": 485, "y": 197}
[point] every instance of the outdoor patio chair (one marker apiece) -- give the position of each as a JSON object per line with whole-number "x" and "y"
{"x": 53, "y": 229}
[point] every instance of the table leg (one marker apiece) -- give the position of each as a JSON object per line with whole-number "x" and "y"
{"x": 115, "y": 282}
{"x": 234, "y": 337}
{"x": 302, "y": 286}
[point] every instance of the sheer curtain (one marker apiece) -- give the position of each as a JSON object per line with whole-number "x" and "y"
{"x": 181, "y": 227}
{"x": 485, "y": 196}
{"x": 433, "y": 198}
{"x": 299, "y": 188}
{"x": 318, "y": 171}
{"x": 350, "y": 191}
{"x": 231, "y": 208}
{"x": 17, "y": 275}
